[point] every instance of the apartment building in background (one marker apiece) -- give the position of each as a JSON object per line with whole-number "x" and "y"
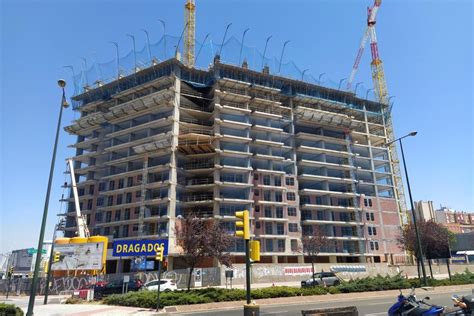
{"x": 456, "y": 221}
{"x": 170, "y": 141}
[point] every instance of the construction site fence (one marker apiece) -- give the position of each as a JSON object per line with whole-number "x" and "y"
{"x": 19, "y": 286}
{"x": 90, "y": 72}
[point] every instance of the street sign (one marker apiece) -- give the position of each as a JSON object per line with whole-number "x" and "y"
{"x": 33, "y": 251}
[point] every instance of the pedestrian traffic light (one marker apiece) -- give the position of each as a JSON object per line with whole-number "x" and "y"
{"x": 244, "y": 224}
{"x": 255, "y": 250}
{"x": 159, "y": 254}
{"x": 57, "y": 256}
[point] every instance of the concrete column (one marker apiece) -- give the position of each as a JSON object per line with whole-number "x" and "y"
{"x": 274, "y": 259}
{"x": 173, "y": 168}
{"x": 300, "y": 259}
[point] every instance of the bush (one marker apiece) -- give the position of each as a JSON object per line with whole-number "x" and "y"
{"x": 10, "y": 310}
{"x": 74, "y": 300}
{"x": 148, "y": 299}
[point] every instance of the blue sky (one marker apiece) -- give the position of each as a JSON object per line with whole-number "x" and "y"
{"x": 426, "y": 47}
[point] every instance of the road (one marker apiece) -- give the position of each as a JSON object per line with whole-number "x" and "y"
{"x": 368, "y": 307}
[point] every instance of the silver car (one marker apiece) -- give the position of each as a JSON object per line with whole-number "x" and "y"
{"x": 322, "y": 279}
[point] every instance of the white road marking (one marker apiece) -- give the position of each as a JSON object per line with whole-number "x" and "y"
{"x": 376, "y": 314}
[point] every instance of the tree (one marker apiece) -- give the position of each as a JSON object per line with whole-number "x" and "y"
{"x": 202, "y": 238}
{"x": 312, "y": 246}
{"x": 434, "y": 239}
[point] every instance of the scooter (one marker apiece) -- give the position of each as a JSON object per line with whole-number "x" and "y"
{"x": 410, "y": 305}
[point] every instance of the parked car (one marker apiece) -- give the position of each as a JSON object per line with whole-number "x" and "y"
{"x": 116, "y": 287}
{"x": 322, "y": 279}
{"x": 166, "y": 285}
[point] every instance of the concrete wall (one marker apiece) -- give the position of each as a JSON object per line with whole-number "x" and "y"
{"x": 277, "y": 273}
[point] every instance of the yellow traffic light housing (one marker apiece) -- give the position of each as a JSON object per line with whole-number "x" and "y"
{"x": 255, "y": 250}
{"x": 57, "y": 256}
{"x": 159, "y": 254}
{"x": 243, "y": 224}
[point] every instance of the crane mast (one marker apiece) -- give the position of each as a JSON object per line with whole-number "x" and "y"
{"x": 190, "y": 42}
{"x": 381, "y": 92}
{"x": 82, "y": 229}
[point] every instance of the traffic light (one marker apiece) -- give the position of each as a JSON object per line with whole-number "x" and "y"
{"x": 165, "y": 264}
{"x": 10, "y": 272}
{"x": 159, "y": 254}
{"x": 57, "y": 256}
{"x": 244, "y": 224}
{"x": 255, "y": 250}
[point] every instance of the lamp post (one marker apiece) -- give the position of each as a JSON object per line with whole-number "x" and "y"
{"x": 418, "y": 240}
{"x": 31, "y": 302}
{"x": 57, "y": 227}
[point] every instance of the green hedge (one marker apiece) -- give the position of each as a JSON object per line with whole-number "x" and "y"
{"x": 148, "y": 299}
{"x": 10, "y": 310}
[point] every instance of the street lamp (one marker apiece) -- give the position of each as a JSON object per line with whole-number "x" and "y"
{"x": 418, "y": 240}
{"x": 31, "y": 302}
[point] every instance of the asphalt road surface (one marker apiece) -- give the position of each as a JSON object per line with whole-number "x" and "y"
{"x": 368, "y": 307}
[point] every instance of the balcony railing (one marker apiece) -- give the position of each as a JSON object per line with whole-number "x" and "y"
{"x": 197, "y": 197}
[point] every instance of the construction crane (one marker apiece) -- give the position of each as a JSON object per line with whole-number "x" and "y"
{"x": 82, "y": 229}
{"x": 381, "y": 92}
{"x": 189, "y": 43}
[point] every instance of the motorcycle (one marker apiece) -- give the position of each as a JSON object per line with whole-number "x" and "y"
{"x": 410, "y": 305}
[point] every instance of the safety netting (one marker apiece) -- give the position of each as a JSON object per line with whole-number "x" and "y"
{"x": 232, "y": 52}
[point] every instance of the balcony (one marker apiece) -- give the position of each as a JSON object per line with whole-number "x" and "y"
{"x": 309, "y": 206}
{"x": 196, "y": 141}
{"x": 232, "y": 124}
{"x": 147, "y": 125}
{"x": 337, "y": 166}
{"x": 232, "y": 107}
{"x": 313, "y": 137}
{"x": 326, "y": 192}
{"x": 312, "y": 177}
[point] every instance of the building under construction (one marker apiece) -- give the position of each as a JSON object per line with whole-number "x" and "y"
{"x": 171, "y": 140}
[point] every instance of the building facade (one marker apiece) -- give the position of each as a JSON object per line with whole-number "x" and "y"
{"x": 456, "y": 221}
{"x": 170, "y": 141}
